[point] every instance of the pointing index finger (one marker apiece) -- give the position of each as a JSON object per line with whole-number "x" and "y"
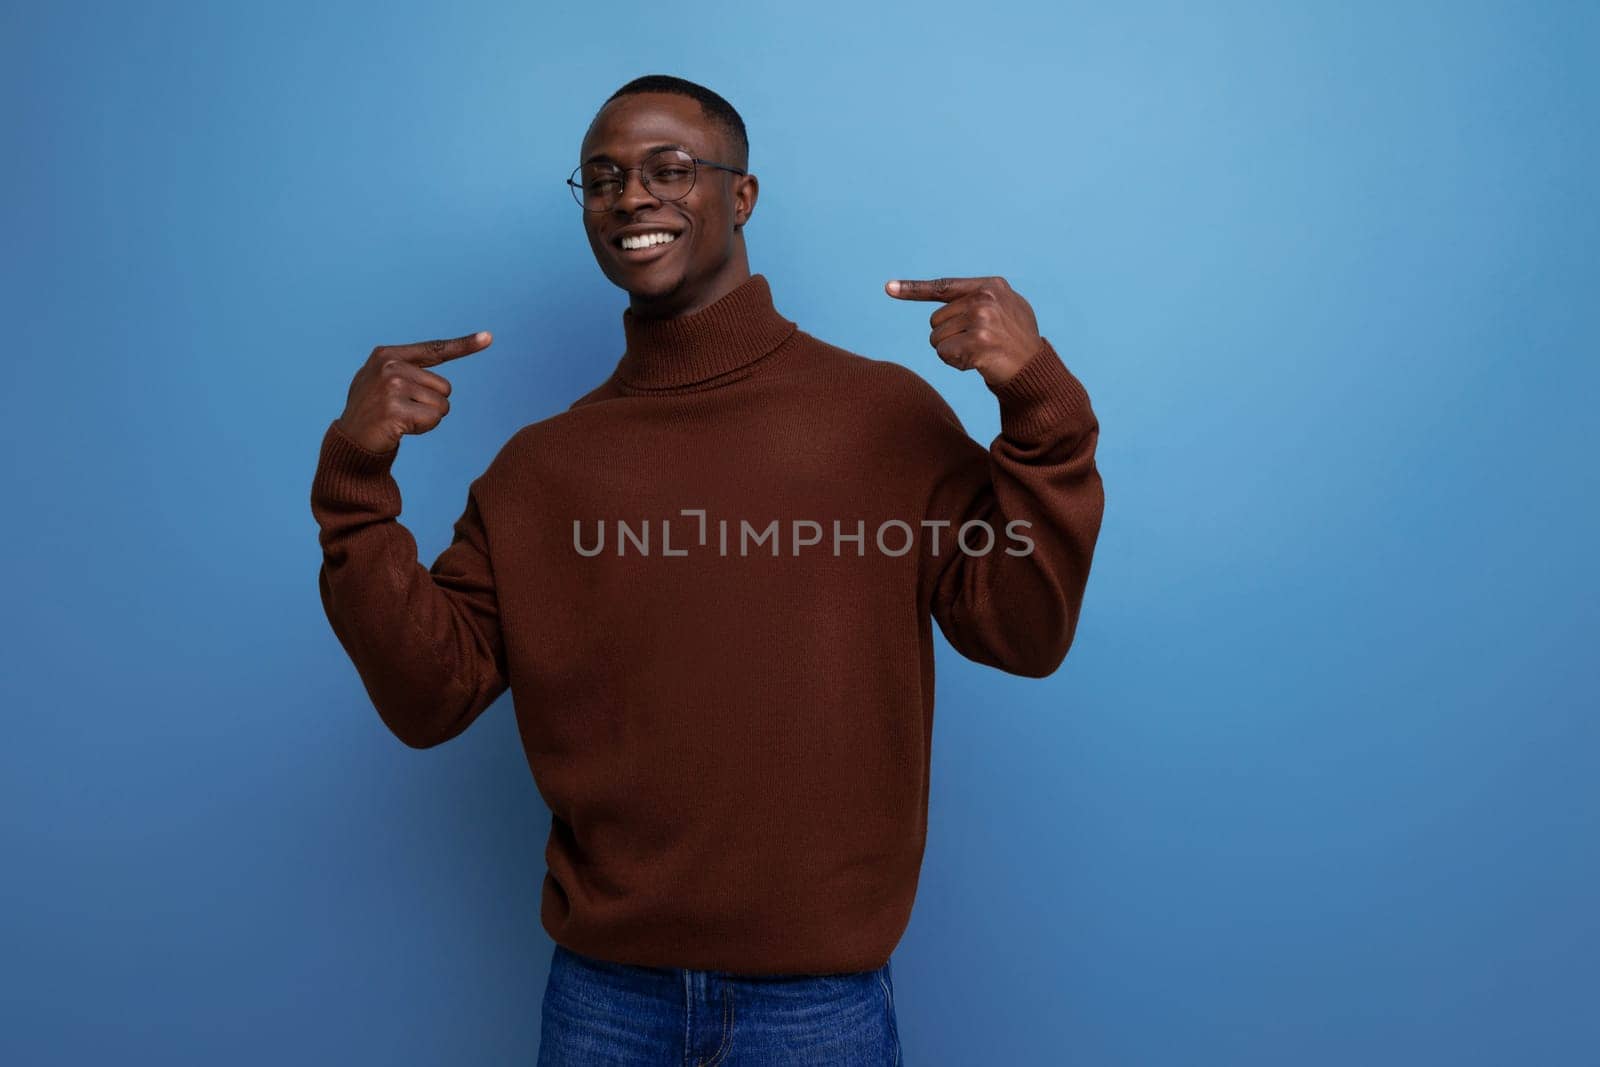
{"x": 429, "y": 353}
{"x": 932, "y": 289}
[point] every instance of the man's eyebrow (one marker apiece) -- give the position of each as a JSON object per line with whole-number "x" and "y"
{"x": 653, "y": 148}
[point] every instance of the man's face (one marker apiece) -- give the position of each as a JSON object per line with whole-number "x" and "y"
{"x": 625, "y": 131}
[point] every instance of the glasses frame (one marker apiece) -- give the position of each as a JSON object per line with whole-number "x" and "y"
{"x": 577, "y": 187}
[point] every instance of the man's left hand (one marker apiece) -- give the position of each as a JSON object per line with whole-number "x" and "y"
{"x": 984, "y": 325}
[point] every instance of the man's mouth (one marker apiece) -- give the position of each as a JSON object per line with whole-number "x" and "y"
{"x": 644, "y": 247}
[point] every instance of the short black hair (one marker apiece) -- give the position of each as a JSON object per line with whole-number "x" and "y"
{"x": 717, "y": 110}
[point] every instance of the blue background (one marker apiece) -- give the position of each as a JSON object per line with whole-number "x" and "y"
{"x": 1317, "y": 782}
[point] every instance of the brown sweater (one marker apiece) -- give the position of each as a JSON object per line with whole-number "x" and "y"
{"x": 727, "y": 708}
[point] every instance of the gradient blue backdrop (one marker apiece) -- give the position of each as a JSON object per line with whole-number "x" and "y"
{"x": 1317, "y": 782}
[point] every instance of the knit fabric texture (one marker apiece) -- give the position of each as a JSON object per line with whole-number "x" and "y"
{"x": 710, "y": 586}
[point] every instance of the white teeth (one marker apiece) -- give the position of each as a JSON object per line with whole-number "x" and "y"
{"x": 646, "y": 240}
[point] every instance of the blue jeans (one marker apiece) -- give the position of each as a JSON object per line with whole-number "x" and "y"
{"x": 606, "y": 1014}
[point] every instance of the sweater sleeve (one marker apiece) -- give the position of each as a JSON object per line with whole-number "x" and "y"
{"x": 1015, "y": 607}
{"x": 425, "y": 641}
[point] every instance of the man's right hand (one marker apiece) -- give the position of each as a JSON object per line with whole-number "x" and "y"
{"x": 392, "y": 395}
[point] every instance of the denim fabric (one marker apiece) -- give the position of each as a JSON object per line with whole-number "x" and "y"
{"x": 606, "y": 1014}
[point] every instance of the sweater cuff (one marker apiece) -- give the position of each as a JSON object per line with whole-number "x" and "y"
{"x": 351, "y": 473}
{"x": 1042, "y": 394}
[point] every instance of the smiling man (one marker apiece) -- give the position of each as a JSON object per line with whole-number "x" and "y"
{"x": 688, "y": 226}
{"x": 728, "y": 702}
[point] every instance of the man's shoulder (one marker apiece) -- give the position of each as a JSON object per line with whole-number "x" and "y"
{"x": 892, "y": 390}
{"x": 546, "y": 437}
{"x": 569, "y": 419}
{"x": 885, "y": 378}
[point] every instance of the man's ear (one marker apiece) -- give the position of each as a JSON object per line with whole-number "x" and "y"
{"x": 747, "y": 181}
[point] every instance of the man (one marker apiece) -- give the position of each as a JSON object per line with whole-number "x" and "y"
{"x": 710, "y": 586}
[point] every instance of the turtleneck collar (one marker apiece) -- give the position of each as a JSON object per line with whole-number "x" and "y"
{"x": 731, "y": 332}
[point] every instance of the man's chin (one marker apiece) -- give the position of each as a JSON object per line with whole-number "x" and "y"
{"x": 648, "y": 281}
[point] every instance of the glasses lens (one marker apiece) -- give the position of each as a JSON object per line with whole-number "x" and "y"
{"x": 669, "y": 175}
{"x": 597, "y": 185}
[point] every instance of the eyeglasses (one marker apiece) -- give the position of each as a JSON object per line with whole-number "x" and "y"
{"x": 667, "y": 175}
